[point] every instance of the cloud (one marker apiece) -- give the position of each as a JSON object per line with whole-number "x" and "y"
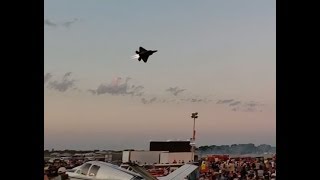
{"x": 47, "y": 77}
{"x": 235, "y": 103}
{"x": 66, "y": 24}
{"x": 92, "y": 91}
{"x": 195, "y": 100}
{"x": 248, "y": 110}
{"x": 225, "y": 101}
{"x": 175, "y": 91}
{"x": 47, "y": 22}
{"x": 252, "y": 106}
{"x": 249, "y": 107}
{"x": 136, "y": 91}
{"x": 67, "y": 75}
{"x": 145, "y": 101}
{"x": 245, "y": 106}
{"x": 118, "y": 88}
{"x": 139, "y": 94}
{"x": 114, "y": 90}
{"x": 207, "y": 100}
{"x": 62, "y": 85}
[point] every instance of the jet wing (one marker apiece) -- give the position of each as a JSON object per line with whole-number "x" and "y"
{"x": 141, "y": 171}
{"x": 180, "y": 173}
{"x": 141, "y": 49}
{"x": 145, "y": 58}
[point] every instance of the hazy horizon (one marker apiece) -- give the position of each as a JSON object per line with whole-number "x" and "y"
{"x": 217, "y": 58}
{"x": 142, "y": 148}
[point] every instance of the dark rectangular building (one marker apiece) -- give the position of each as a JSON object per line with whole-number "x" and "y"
{"x": 171, "y": 146}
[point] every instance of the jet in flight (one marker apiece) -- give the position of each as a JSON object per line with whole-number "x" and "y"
{"x": 143, "y": 54}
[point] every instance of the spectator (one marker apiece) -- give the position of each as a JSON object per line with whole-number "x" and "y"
{"x": 273, "y": 176}
{"x": 266, "y": 175}
{"x": 243, "y": 173}
{"x": 260, "y": 171}
{"x": 62, "y": 173}
{"x": 46, "y": 171}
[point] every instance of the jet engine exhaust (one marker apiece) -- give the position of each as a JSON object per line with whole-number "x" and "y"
{"x": 135, "y": 56}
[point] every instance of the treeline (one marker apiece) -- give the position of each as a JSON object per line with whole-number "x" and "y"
{"x": 212, "y": 149}
{"x": 237, "y": 149}
{"x": 48, "y": 152}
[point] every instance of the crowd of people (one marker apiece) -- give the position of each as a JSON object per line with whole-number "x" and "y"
{"x": 238, "y": 169}
{"x": 216, "y": 169}
{"x": 56, "y": 169}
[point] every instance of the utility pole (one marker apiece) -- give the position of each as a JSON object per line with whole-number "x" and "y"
{"x": 194, "y": 116}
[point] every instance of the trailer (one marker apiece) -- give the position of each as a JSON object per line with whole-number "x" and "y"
{"x": 175, "y": 157}
{"x": 141, "y": 157}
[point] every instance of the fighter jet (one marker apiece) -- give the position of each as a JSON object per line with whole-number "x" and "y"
{"x": 143, "y": 54}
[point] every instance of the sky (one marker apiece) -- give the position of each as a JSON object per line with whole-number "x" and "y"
{"x": 215, "y": 57}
